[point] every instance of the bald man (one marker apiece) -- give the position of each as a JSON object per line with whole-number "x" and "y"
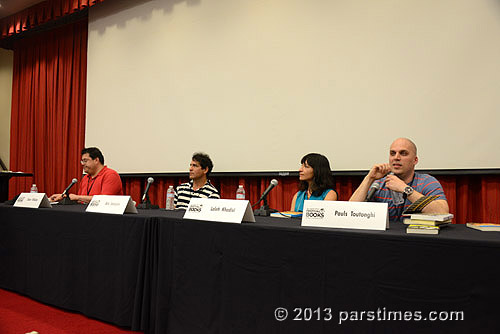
{"x": 407, "y": 185}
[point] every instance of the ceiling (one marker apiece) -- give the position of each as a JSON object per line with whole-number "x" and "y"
{"x": 9, "y": 7}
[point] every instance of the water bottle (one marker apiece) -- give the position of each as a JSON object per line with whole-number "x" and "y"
{"x": 397, "y": 198}
{"x": 170, "y": 198}
{"x": 240, "y": 193}
{"x": 34, "y": 188}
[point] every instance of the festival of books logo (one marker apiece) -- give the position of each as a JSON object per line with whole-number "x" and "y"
{"x": 315, "y": 213}
{"x": 94, "y": 203}
{"x": 195, "y": 207}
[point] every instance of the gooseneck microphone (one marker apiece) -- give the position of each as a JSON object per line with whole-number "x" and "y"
{"x": 73, "y": 182}
{"x": 373, "y": 188}
{"x": 273, "y": 184}
{"x": 264, "y": 209}
{"x": 66, "y": 200}
{"x": 145, "y": 202}
{"x": 150, "y": 181}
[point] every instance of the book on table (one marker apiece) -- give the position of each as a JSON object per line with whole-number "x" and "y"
{"x": 422, "y": 229}
{"x": 484, "y": 226}
{"x": 409, "y": 221}
{"x": 287, "y": 214}
{"x": 437, "y": 217}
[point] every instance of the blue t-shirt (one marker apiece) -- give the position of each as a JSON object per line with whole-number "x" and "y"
{"x": 302, "y": 196}
{"x": 423, "y": 183}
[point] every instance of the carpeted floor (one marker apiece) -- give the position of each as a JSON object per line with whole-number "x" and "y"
{"x": 20, "y": 315}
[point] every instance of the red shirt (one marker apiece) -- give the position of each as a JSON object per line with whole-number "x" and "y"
{"x": 106, "y": 182}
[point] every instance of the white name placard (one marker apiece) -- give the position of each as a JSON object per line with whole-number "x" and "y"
{"x": 33, "y": 200}
{"x": 341, "y": 214}
{"x": 220, "y": 210}
{"x": 115, "y": 204}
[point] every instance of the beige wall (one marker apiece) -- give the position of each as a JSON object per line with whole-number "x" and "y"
{"x": 258, "y": 84}
{"x": 6, "y": 57}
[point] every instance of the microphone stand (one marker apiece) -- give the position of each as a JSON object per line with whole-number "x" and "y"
{"x": 67, "y": 201}
{"x": 146, "y": 204}
{"x": 264, "y": 210}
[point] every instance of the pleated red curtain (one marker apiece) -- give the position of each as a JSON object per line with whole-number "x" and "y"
{"x": 471, "y": 197}
{"x": 41, "y": 13}
{"x": 48, "y": 108}
{"x": 280, "y": 197}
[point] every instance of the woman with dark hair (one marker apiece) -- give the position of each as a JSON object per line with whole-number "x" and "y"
{"x": 316, "y": 181}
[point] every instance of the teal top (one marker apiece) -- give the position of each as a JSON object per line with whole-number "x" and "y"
{"x": 302, "y": 196}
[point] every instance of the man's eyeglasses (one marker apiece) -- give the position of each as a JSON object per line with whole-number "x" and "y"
{"x": 84, "y": 161}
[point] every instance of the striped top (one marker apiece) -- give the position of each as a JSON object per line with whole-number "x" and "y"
{"x": 185, "y": 192}
{"x": 423, "y": 183}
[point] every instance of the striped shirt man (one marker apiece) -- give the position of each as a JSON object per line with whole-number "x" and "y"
{"x": 185, "y": 192}
{"x": 423, "y": 183}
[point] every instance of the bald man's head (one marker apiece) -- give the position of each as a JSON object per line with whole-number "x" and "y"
{"x": 403, "y": 157}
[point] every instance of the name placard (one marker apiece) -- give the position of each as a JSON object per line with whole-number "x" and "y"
{"x": 342, "y": 214}
{"x": 114, "y": 204}
{"x": 32, "y": 200}
{"x": 220, "y": 210}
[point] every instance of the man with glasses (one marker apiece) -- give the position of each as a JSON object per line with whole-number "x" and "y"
{"x": 99, "y": 179}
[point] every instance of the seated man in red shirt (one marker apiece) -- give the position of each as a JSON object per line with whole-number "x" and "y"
{"x": 99, "y": 179}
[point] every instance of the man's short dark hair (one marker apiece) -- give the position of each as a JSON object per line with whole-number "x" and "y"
{"x": 94, "y": 152}
{"x": 204, "y": 161}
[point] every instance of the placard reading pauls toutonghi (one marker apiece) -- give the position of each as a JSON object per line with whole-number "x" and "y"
{"x": 342, "y": 214}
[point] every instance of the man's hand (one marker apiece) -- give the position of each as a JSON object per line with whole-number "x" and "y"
{"x": 393, "y": 182}
{"x": 379, "y": 171}
{"x": 56, "y": 198}
{"x": 59, "y": 197}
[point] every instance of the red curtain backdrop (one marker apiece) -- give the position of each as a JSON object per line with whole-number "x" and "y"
{"x": 48, "y": 124}
{"x": 41, "y": 13}
{"x": 471, "y": 197}
{"x": 48, "y": 108}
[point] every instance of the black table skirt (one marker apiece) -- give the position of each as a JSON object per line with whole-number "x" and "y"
{"x": 161, "y": 274}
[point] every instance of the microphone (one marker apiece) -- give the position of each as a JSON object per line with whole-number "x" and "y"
{"x": 373, "y": 188}
{"x": 150, "y": 180}
{"x": 65, "y": 192}
{"x": 273, "y": 184}
{"x": 66, "y": 200}
{"x": 264, "y": 209}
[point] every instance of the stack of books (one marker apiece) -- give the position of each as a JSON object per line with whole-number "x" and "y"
{"x": 427, "y": 223}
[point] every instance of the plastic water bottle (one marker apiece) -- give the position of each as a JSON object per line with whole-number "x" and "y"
{"x": 397, "y": 198}
{"x": 240, "y": 192}
{"x": 34, "y": 188}
{"x": 170, "y": 198}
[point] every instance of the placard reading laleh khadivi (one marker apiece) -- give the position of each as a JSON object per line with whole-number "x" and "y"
{"x": 219, "y": 210}
{"x": 341, "y": 214}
